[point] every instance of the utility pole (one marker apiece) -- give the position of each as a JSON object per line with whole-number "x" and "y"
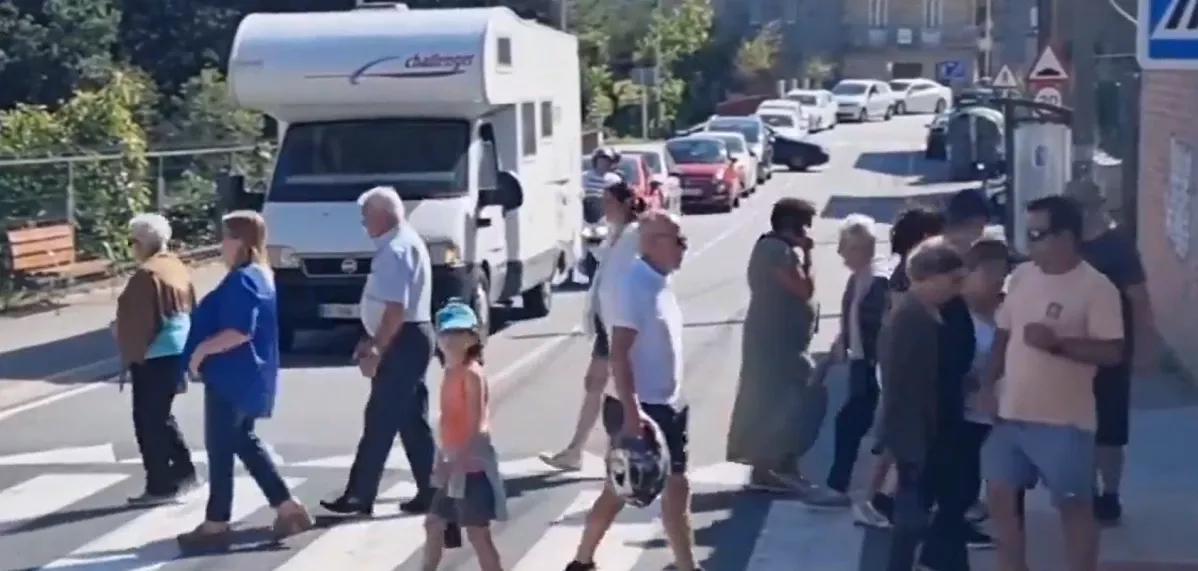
{"x": 657, "y": 69}
{"x": 563, "y": 14}
{"x": 1085, "y": 85}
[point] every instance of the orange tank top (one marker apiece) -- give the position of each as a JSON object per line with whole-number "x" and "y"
{"x": 456, "y": 416}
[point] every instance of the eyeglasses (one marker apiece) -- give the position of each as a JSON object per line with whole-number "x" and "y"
{"x": 1034, "y": 235}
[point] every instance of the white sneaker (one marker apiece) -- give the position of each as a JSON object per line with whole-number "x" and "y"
{"x": 865, "y": 514}
{"x": 566, "y": 460}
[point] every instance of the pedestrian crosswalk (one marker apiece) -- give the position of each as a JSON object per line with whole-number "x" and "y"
{"x": 75, "y": 517}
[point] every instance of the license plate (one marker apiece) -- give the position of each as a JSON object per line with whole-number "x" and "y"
{"x": 692, "y": 192}
{"x": 339, "y": 311}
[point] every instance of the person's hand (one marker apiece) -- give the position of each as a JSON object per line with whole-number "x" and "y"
{"x": 634, "y": 423}
{"x": 197, "y": 359}
{"x": 1040, "y": 336}
{"x": 368, "y": 365}
{"x": 364, "y": 348}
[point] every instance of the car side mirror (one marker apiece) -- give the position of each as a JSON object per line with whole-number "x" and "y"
{"x": 508, "y": 194}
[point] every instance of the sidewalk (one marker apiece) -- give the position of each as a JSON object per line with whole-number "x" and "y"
{"x": 1160, "y": 491}
{"x": 45, "y": 353}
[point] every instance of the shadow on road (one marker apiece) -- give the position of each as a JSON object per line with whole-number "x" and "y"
{"x": 893, "y": 163}
{"x": 881, "y": 208}
{"x": 56, "y": 360}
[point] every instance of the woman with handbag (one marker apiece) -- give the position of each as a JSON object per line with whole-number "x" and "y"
{"x": 153, "y": 316}
{"x": 777, "y": 412}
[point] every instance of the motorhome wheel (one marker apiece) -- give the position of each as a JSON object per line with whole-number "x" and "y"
{"x": 538, "y": 301}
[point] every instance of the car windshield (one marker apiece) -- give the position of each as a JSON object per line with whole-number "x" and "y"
{"x": 338, "y": 161}
{"x": 805, "y": 99}
{"x": 653, "y": 161}
{"x": 846, "y": 88}
{"x": 900, "y": 85}
{"x": 778, "y": 120}
{"x": 628, "y": 169}
{"x": 696, "y": 151}
{"x": 746, "y": 128}
{"x": 736, "y": 145}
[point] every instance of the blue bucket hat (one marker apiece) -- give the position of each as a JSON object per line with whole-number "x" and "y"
{"x": 456, "y": 316}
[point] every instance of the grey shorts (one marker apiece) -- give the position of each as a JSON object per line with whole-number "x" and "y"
{"x": 476, "y": 509}
{"x": 1022, "y": 454}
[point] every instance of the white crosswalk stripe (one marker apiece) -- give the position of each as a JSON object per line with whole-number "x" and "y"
{"x": 73, "y": 517}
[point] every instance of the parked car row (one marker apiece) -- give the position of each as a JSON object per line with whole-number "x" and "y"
{"x": 863, "y": 100}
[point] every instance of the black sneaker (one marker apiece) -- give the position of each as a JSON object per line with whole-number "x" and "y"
{"x": 417, "y": 505}
{"x": 978, "y": 539}
{"x": 152, "y": 499}
{"x": 348, "y": 506}
{"x": 579, "y": 566}
{"x": 187, "y": 483}
{"x": 1107, "y": 509}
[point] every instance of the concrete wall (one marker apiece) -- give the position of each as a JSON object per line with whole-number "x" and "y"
{"x": 1168, "y": 217}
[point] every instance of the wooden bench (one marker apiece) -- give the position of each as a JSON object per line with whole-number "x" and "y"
{"x": 49, "y": 252}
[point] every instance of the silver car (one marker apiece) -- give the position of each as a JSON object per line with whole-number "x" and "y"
{"x": 863, "y": 99}
{"x": 920, "y": 96}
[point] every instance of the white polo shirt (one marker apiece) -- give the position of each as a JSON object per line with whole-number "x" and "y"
{"x": 646, "y": 304}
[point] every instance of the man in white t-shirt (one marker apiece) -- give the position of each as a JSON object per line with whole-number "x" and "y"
{"x": 646, "y": 362}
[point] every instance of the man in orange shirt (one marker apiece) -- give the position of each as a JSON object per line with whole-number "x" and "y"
{"x": 1061, "y": 320}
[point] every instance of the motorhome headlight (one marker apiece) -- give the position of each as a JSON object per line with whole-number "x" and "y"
{"x": 594, "y": 232}
{"x": 282, "y": 257}
{"x": 444, "y": 254}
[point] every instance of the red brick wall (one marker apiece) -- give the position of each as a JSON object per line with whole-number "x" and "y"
{"x": 1169, "y": 111}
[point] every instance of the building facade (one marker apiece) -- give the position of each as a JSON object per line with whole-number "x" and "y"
{"x": 1167, "y": 206}
{"x": 909, "y": 38}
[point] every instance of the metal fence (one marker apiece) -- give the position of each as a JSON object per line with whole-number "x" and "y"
{"x": 180, "y": 182}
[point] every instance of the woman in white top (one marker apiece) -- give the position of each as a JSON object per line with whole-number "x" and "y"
{"x": 621, "y": 207}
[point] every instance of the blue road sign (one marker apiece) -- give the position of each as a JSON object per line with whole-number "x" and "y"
{"x": 949, "y": 70}
{"x": 1167, "y": 34}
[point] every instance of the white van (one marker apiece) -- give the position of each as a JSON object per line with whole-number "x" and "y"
{"x": 472, "y": 114}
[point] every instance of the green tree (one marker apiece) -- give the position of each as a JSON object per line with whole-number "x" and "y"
{"x": 757, "y": 57}
{"x": 49, "y": 49}
{"x": 676, "y": 33}
{"x": 818, "y": 71}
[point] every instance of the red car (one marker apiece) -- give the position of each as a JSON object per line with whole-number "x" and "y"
{"x": 707, "y": 171}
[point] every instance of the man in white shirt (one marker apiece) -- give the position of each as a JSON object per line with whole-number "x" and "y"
{"x": 646, "y": 362}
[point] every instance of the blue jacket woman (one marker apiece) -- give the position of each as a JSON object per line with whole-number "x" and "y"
{"x": 233, "y": 349}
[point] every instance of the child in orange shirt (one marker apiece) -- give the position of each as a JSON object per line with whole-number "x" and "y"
{"x": 469, "y": 488}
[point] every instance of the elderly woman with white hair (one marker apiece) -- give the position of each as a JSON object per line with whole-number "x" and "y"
{"x": 151, "y": 327}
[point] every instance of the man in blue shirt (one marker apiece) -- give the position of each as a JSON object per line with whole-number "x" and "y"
{"x": 395, "y": 353}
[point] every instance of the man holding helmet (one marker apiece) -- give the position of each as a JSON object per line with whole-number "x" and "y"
{"x": 647, "y": 419}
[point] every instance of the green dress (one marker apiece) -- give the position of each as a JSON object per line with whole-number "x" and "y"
{"x": 767, "y": 427}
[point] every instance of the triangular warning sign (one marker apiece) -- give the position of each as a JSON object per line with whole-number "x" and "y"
{"x": 1047, "y": 66}
{"x": 1006, "y": 79}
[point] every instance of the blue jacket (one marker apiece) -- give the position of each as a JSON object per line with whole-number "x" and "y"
{"x": 248, "y": 374}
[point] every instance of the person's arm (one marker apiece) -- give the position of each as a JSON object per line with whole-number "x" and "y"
{"x": 136, "y": 325}
{"x": 1143, "y": 325}
{"x": 393, "y": 288}
{"x": 627, "y": 321}
{"x": 908, "y": 364}
{"x": 1103, "y": 342}
{"x": 787, "y": 268}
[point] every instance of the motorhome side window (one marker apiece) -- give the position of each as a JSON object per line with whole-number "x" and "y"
{"x": 528, "y": 129}
{"x": 547, "y": 119}
{"x": 335, "y": 161}
{"x": 503, "y": 52}
{"x": 488, "y": 166}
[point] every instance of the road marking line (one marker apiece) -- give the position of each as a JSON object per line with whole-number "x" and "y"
{"x": 620, "y": 550}
{"x": 367, "y": 545}
{"x": 98, "y": 454}
{"x": 148, "y": 541}
{"x": 43, "y": 495}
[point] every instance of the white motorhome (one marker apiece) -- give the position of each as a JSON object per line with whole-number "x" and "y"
{"x": 472, "y": 114}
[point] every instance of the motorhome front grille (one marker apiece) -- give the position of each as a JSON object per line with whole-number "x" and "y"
{"x": 697, "y": 181}
{"x": 349, "y": 266}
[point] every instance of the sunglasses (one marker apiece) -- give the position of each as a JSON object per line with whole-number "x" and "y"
{"x": 1038, "y": 235}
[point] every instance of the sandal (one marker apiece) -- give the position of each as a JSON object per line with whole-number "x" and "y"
{"x": 292, "y": 521}
{"x": 205, "y": 537}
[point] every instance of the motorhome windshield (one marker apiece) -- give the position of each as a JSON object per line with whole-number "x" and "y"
{"x": 337, "y": 161}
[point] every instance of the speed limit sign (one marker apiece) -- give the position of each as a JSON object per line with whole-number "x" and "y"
{"x": 1049, "y": 95}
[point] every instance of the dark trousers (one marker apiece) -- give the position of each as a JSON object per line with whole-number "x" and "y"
{"x": 853, "y": 422}
{"x": 941, "y": 482}
{"x": 398, "y": 404}
{"x": 164, "y": 453}
{"x": 229, "y": 433}
{"x": 974, "y": 437}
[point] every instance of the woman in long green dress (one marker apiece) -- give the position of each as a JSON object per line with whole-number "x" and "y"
{"x": 768, "y": 424}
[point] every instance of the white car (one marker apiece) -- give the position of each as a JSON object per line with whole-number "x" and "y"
{"x": 863, "y": 99}
{"x": 818, "y": 104}
{"x": 786, "y": 106}
{"x": 786, "y": 122}
{"x": 920, "y": 96}
{"x": 746, "y": 161}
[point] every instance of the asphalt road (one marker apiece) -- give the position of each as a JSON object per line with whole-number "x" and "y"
{"x": 72, "y": 460}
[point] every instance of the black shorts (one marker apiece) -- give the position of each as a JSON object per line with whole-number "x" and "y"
{"x": 602, "y": 347}
{"x": 475, "y": 509}
{"x": 674, "y": 424}
{"x": 1112, "y": 397}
